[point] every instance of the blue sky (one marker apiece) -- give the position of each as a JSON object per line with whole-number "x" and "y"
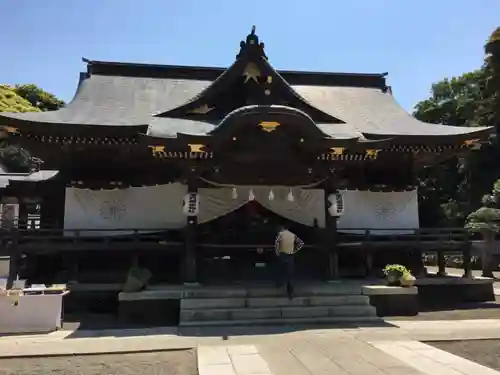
{"x": 417, "y": 42}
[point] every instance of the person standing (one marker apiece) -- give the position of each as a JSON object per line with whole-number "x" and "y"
{"x": 286, "y": 245}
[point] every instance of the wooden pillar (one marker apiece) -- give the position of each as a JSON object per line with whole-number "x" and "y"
{"x": 52, "y": 205}
{"x": 14, "y": 261}
{"x": 22, "y": 222}
{"x": 467, "y": 260}
{"x": 441, "y": 263}
{"x": 190, "y": 261}
{"x": 330, "y": 235}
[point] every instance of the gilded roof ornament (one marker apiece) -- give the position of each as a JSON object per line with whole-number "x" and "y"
{"x": 251, "y": 72}
{"x": 269, "y": 126}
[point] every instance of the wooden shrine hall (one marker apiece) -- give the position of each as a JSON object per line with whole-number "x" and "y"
{"x": 189, "y": 170}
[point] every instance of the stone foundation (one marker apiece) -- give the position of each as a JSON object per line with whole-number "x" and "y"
{"x": 393, "y": 300}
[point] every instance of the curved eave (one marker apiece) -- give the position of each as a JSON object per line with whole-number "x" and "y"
{"x": 479, "y": 133}
{"x": 43, "y": 175}
{"x": 213, "y": 89}
{"x": 70, "y": 129}
{"x": 178, "y": 139}
{"x": 262, "y": 113}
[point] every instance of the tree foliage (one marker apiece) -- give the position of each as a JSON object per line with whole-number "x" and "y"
{"x": 453, "y": 101}
{"x": 11, "y": 101}
{"x": 38, "y": 98}
{"x": 450, "y": 191}
{"x": 22, "y": 98}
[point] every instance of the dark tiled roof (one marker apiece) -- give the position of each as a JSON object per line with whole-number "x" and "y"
{"x": 132, "y": 98}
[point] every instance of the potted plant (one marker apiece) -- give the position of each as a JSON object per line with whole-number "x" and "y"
{"x": 394, "y": 272}
{"x": 407, "y": 279}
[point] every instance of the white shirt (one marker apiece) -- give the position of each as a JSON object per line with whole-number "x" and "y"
{"x": 287, "y": 242}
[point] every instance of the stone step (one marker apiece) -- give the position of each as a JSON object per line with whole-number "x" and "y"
{"x": 210, "y": 303}
{"x": 341, "y": 320}
{"x": 277, "y": 313}
{"x": 304, "y": 290}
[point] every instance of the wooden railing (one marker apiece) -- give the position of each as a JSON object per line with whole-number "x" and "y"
{"x": 447, "y": 238}
{"x": 54, "y": 240}
{"x": 42, "y": 239}
{"x": 15, "y": 241}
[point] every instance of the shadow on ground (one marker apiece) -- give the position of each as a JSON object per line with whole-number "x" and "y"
{"x": 107, "y": 325}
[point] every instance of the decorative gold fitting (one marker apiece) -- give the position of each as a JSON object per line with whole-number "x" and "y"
{"x": 251, "y": 72}
{"x": 337, "y": 150}
{"x": 473, "y": 144}
{"x": 470, "y": 142}
{"x": 158, "y": 151}
{"x": 10, "y": 129}
{"x": 372, "y": 153}
{"x": 196, "y": 147}
{"x": 269, "y": 126}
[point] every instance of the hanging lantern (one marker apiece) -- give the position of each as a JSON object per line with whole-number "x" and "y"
{"x": 234, "y": 193}
{"x": 271, "y": 195}
{"x": 290, "y": 196}
{"x": 251, "y": 195}
{"x": 336, "y": 204}
{"x": 191, "y": 204}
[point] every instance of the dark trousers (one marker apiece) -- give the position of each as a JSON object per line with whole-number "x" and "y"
{"x": 286, "y": 271}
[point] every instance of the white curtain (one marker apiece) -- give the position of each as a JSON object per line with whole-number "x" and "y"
{"x": 148, "y": 208}
{"x": 160, "y": 207}
{"x": 380, "y": 210}
{"x": 218, "y": 202}
{"x": 306, "y": 206}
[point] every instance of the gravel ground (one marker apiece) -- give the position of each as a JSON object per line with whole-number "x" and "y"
{"x": 158, "y": 363}
{"x": 484, "y": 352}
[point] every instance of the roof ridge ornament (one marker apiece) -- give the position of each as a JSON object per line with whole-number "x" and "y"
{"x": 252, "y": 45}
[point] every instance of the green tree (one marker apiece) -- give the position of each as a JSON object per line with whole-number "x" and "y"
{"x": 22, "y": 98}
{"x": 453, "y": 101}
{"x": 38, "y": 98}
{"x": 11, "y": 101}
{"x": 486, "y": 220}
{"x": 489, "y": 105}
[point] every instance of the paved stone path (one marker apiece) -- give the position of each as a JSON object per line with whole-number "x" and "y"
{"x": 231, "y": 360}
{"x": 343, "y": 356}
{"x": 391, "y": 350}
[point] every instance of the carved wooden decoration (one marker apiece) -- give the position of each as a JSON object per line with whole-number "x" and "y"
{"x": 202, "y": 110}
{"x": 251, "y": 72}
{"x": 269, "y": 126}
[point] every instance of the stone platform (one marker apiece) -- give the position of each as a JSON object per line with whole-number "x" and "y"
{"x": 343, "y": 301}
